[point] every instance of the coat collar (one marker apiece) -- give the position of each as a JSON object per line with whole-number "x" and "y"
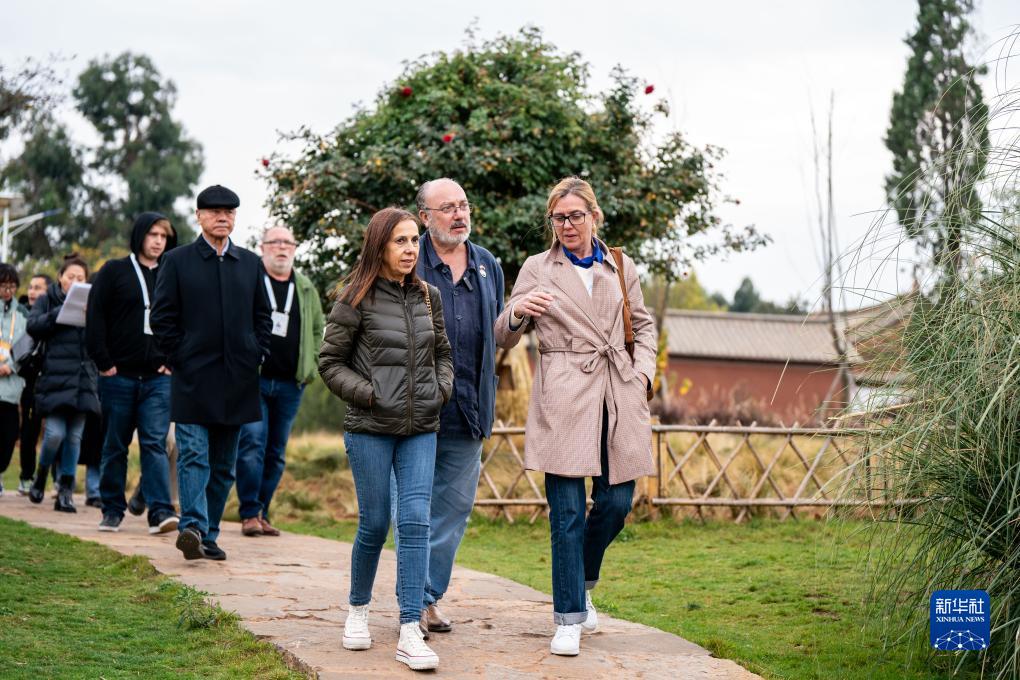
{"x": 206, "y": 250}
{"x": 563, "y": 277}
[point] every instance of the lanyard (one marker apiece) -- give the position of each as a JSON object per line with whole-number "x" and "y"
{"x": 14, "y": 317}
{"x": 272, "y": 296}
{"x": 141, "y": 282}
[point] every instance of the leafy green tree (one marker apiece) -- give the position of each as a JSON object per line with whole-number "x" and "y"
{"x": 686, "y": 293}
{"x": 938, "y": 134}
{"x": 142, "y": 146}
{"x": 49, "y": 173}
{"x": 506, "y": 119}
{"x": 748, "y": 299}
{"x": 25, "y": 92}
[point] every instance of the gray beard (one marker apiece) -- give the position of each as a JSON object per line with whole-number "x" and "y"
{"x": 449, "y": 240}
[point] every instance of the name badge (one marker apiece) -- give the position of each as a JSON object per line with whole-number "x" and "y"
{"x": 146, "y": 328}
{"x": 280, "y": 323}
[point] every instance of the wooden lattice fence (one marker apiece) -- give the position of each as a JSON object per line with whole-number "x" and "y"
{"x": 722, "y": 472}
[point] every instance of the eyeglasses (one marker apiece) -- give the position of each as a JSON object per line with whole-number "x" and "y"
{"x": 10, "y": 285}
{"x": 450, "y": 208}
{"x": 576, "y": 218}
{"x": 280, "y": 243}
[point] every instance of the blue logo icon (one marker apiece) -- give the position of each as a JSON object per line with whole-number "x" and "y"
{"x": 960, "y": 620}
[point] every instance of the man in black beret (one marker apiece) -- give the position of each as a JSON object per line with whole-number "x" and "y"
{"x": 212, "y": 319}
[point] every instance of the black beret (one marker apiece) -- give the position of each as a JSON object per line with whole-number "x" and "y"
{"x": 217, "y": 196}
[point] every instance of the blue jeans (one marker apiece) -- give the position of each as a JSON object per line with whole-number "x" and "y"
{"x": 65, "y": 425}
{"x": 130, "y": 404}
{"x": 263, "y": 444}
{"x": 413, "y": 459}
{"x": 205, "y": 473}
{"x": 93, "y": 474}
{"x": 455, "y": 481}
{"x": 579, "y": 544}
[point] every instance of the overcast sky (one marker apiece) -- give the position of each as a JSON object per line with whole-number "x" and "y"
{"x": 740, "y": 75}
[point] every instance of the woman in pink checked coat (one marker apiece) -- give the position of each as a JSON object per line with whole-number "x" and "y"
{"x": 588, "y": 415}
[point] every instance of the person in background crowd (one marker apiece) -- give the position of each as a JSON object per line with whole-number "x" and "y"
{"x": 31, "y": 421}
{"x": 470, "y": 282}
{"x": 385, "y": 353}
{"x": 66, "y": 390}
{"x": 211, "y": 318}
{"x": 292, "y": 363}
{"x": 90, "y": 456}
{"x": 12, "y": 327}
{"x": 134, "y": 381}
{"x": 588, "y": 415}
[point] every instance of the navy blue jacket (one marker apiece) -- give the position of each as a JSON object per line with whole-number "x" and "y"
{"x": 211, "y": 317}
{"x": 492, "y": 307}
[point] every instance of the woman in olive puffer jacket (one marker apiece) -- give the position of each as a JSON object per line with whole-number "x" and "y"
{"x": 385, "y": 352}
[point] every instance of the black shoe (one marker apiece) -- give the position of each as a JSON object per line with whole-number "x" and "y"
{"x": 189, "y": 542}
{"x": 94, "y": 502}
{"x": 136, "y": 504}
{"x": 164, "y": 524}
{"x": 213, "y": 551}
{"x": 38, "y": 489}
{"x": 110, "y": 523}
{"x": 65, "y": 496}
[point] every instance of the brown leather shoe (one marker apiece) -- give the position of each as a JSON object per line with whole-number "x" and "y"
{"x": 251, "y": 526}
{"x": 434, "y": 620}
{"x": 267, "y": 528}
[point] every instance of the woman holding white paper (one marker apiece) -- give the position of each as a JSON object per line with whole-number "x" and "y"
{"x": 67, "y": 389}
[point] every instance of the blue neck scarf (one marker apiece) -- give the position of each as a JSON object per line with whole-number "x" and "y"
{"x": 587, "y": 262}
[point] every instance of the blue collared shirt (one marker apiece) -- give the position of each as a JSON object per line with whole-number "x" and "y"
{"x": 462, "y": 312}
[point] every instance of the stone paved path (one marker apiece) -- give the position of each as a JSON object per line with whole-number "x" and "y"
{"x": 291, "y": 591}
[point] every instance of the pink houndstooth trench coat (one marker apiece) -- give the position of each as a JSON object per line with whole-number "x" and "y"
{"x": 583, "y": 363}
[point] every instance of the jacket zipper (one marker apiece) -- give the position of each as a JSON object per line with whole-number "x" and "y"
{"x": 412, "y": 350}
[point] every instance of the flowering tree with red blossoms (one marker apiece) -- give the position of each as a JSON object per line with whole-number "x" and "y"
{"x": 506, "y": 118}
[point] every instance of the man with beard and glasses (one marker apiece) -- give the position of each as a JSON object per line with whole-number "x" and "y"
{"x": 471, "y": 284}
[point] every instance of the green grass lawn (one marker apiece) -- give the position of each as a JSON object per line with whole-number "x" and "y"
{"x": 781, "y": 599}
{"x": 74, "y": 609}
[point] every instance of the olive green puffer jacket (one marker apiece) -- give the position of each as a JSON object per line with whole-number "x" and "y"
{"x": 388, "y": 360}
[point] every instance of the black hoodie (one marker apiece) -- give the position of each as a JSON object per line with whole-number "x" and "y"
{"x": 116, "y": 311}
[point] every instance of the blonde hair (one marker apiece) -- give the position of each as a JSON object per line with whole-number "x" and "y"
{"x": 575, "y": 186}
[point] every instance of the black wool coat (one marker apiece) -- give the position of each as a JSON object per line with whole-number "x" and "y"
{"x": 68, "y": 380}
{"x": 210, "y": 316}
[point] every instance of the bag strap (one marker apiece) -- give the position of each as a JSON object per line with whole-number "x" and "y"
{"x": 428, "y": 299}
{"x": 628, "y": 326}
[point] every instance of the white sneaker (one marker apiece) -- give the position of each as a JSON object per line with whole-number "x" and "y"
{"x": 356, "y": 635}
{"x": 590, "y": 624}
{"x": 23, "y": 486}
{"x": 412, "y": 649}
{"x": 567, "y": 641}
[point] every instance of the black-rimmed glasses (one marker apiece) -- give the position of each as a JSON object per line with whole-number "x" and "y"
{"x": 576, "y": 218}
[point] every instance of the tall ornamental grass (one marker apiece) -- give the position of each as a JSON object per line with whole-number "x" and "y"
{"x": 955, "y": 439}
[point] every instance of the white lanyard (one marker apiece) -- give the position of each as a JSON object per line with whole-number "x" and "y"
{"x": 145, "y": 295}
{"x": 272, "y": 296}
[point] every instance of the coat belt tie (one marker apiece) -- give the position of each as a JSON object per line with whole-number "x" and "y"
{"x": 617, "y": 356}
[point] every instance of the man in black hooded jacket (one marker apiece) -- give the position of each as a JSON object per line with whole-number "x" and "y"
{"x": 134, "y": 382}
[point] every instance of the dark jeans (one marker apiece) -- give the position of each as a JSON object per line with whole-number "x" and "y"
{"x": 579, "y": 544}
{"x": 263, "y": 444}
{"x": 31, "y": 428}
{"x": 9, "y": 427}
{"x": 205, "y": 473}
{"x": 131, "y": 404}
